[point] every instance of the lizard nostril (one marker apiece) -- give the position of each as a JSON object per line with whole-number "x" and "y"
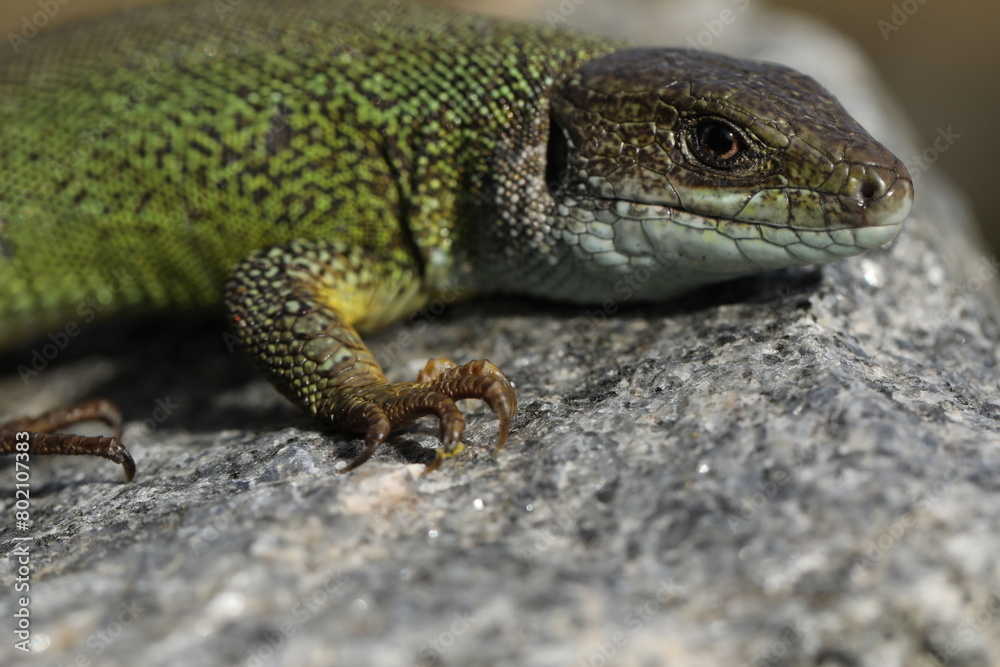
{"x": 872, "y": 186}
{"x": 869, "y": 188}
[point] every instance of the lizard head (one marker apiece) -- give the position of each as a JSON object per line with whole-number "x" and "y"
{"x": 701, "y": 168}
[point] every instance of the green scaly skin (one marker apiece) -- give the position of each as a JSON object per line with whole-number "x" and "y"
{"x": 325, "y": 169}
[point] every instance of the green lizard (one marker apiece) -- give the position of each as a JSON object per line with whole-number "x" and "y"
{"x": 324, "y": 169}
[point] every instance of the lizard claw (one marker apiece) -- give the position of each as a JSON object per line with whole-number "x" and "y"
{"x": 382, "y": 408}
{"x": 43, "y": 439}
{"x": 476, "y": 379}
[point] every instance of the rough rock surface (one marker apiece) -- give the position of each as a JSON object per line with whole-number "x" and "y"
{"x": 797, "y": 469}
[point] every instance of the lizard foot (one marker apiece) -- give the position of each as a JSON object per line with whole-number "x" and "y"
{"x": 43, "y": 441}
{"x": 380, "y": 409}
{"x": 295, "y": 307}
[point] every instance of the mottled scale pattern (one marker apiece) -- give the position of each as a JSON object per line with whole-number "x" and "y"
{"x": 169, "y": 142}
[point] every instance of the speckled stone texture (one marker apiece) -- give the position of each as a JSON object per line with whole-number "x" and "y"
{"x": 798, "y": 469}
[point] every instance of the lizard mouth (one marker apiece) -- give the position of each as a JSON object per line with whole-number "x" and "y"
{"x": 733, "y": 231}
{"x": 615, "y": 232}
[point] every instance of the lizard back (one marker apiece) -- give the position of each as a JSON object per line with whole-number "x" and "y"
{"x": 143, "y": 154}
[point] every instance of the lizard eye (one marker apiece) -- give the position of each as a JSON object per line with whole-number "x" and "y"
{"x": 718, "y": 144}
{"x": 556, "y": 157}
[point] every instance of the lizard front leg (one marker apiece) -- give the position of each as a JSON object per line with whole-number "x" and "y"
{"x": 295, "y": 307}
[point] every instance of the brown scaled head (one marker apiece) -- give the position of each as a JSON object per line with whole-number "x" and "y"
{"x": 757, "y": 152}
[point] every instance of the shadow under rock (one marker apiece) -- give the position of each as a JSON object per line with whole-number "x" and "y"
{"x": 168, "y": 370}
{"x": 792, "y": 285}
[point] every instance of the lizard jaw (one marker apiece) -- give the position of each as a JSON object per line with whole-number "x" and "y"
{"x": 677, "y": 250}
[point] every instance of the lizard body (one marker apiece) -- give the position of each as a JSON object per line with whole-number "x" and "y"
{"x": 324, "y": 169}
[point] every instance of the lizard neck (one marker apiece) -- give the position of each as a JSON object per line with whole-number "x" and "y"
{"x": 462, "y": 163}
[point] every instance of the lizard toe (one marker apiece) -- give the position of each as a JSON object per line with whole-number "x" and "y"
{"x": 485, "y": 381}
{"x": 377, "y": 429}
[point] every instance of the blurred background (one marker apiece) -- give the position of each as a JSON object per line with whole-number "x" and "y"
{"x": 940, "y": 60}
